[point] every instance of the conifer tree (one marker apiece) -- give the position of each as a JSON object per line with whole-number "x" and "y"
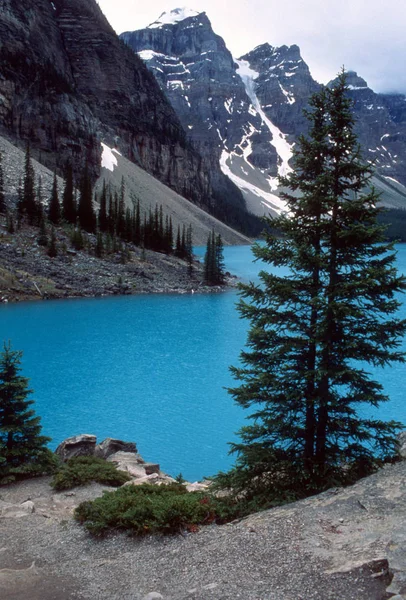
{"x": 314, "y": 328}
{"x": 86, "y": 214}
{"x": 103, "y": 218}
{"x": 54, "y": 208}
{"x": 27, "y": 201}
{"x": 219, "y": 259}
{"x": 3, "y": 207}
{"x": 99, "y": 245}
{"x": 68, "y": 200}
{"x": 22, "y": 447}
{"x": 52, "y": 248}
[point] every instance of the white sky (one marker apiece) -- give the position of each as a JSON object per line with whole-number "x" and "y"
{"x": 367, "y": 36}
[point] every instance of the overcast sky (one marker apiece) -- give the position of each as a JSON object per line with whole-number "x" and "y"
{"x": 367, "y": 36}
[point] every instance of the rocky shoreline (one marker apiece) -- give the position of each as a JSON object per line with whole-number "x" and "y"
{"x": 344, "y": 543}
{"x": 28, "y": 273}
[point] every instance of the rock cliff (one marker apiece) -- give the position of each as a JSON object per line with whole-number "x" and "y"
{"x": 67, "y": 81}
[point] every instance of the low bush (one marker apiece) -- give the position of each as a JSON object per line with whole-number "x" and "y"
{"x": 44, "y": 463}
{"x": 85, "y": 469}
{"x": 147, "y": 508}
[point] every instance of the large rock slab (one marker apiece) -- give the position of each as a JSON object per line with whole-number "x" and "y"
{"x": 110, "y": 446}
{"x": 78, "y": 445}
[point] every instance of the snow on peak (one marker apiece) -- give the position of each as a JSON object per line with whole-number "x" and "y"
{"x": 174, "y": 16}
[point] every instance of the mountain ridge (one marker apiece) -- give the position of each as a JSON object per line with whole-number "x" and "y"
{"x": 249, "y": 131}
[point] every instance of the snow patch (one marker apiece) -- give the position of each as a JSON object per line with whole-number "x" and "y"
{"x": 269, "y": 200}
{"x": 174, "y": 16}
{"x": 281, "y": 145}
{"x": 108, "y": 160}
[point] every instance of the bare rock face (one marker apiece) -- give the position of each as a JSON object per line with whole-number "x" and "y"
{"x": 66, "y": 82}
{"x": 111, "y": 446}
{"x": 79, "y": 445}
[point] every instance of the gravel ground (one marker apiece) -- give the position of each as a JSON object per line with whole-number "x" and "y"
{"x": 334, "y": 546}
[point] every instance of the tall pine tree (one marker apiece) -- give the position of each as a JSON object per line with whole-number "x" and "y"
{"x": 22, "y": 447}
{"x": 318, "y": 323}
{"x": 3, "y": 207}
{"x": 54, "y": 208}
{"x": 86, "y": 214}
{"x": 68, "y": 200}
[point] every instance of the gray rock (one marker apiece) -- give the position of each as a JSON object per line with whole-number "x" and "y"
{"x": 111, "y": 446}
{"x": 153, "y": 596}
{"x": 16, "y": 511}
{"x": 78, "y": 445}
{"x": 402, "y": 444}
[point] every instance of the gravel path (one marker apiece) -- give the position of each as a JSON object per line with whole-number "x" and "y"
{"x": 334, "y": 546}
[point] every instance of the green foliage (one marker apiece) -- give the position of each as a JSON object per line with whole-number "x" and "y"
{"x": 52, "y": 248}
{"x": 68, "y": 200}
{"x": 146, "y": 509}
{"x": 23, "y": 450}
{"x": 85, "y": 469}
{"x": 54, "y": 208}
{"x": 317, "y": 323}
{"x": 42, "y": 238}
{"x": 214, "y": 260}
{"x": 86, "y": 214}
{"x": 27, "y": 203}
{"x": 2, "y": 197}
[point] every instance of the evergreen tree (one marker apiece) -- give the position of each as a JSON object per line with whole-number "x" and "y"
{"x": 189, "y": 250}
{"x": 22, "y": 448}
{"x": 103, "y": 218}
{"x": 99, "y": 245}
{"x": 68, "y": 200}
{"x": 54, "y": 208}
{"x": 137, "y": 226}
{"x": 219, "y": 259}
{"x": 43, "y": 234}
{"x": 27, "y": 202}
{"x": 86, "y": 214}
{"x": 314, "y": 328}
{"x": 52, "y": 248}
{"x": 2, "y": 196}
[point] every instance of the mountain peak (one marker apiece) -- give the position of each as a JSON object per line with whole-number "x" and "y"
{"x": 354, "y": 81}
{"x": 174, "y": 16}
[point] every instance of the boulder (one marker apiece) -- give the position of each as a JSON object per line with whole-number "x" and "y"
{"x": 154, "y": 478}
{"x": 110, "y": 446}
{"x": 15, "y": 511}
{"x": 78, "y": 445}
{"x": 402, "y": 444}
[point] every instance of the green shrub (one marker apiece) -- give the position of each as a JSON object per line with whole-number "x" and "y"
{"x": 149, "y": 508}
{"x": 84, "y": 469}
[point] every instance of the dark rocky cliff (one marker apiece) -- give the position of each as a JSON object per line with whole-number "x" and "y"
{"x": 67, "y": 81}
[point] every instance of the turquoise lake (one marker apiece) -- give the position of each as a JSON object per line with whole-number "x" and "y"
{"x": 150, "y": 369}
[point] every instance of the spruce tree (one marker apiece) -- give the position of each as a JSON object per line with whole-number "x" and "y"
{"x": 54, "y": 208}
{"x": 86, "y": 214}
{"x": 22, "y": 447}
{"x": 68, "y": 200}
{"x": 316, "y": 324}
{"x": 27, "y": 201}
{"x": 103, "y": 218}
{"x": 52, "y": 248}
{"x": 219, "y": 259}
{"x": 3, "y": 207}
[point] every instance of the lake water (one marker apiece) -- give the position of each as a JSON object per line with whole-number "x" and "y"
{"x": 150, "y": 369}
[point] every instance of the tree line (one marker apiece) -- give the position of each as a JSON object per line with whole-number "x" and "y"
{"x": 113, "y": 223}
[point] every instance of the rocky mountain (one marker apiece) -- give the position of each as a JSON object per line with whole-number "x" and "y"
{"x": 67, "y": 83}
{"x": 246, "y": 113}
